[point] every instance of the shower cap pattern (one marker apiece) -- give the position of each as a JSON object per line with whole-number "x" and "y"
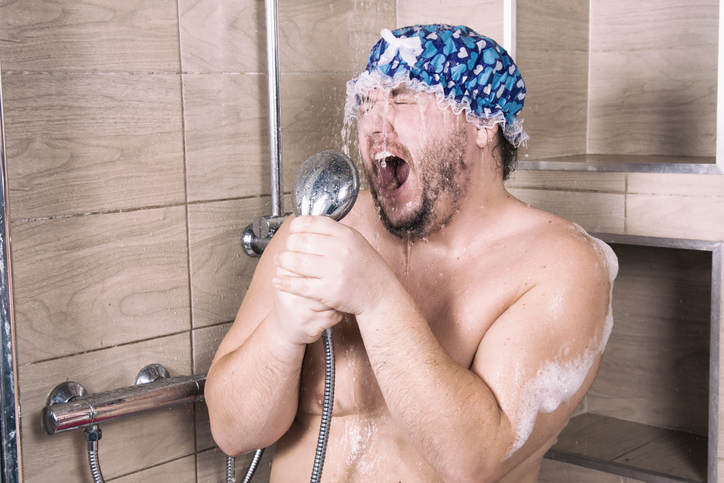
{"x": 464, "y": 69}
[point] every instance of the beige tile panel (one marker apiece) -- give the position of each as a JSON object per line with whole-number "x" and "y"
{"x": 596, "y": 212}
{"x": 81, "y": 143}
{"x": 226, "y": 136}
{"x": 558, "y": 25}
{"x": 319, "y": 35}
{"x": 94, "y": 281}
{"x": 212, "y": 466}
{"x": 105, "y": 35}
{"x": 689, "y": 217}
{"x": 179, "y": 471}
{"x": 219, "y": 36}
{"x": 676, "y": 184}
{"x": 555, "y": 111}
{"x": 227, "y": 129}
{"x": 127, "y": 445}
{"x": 568, "y": 180}
{"x": 557, "y": 472}
{"x": 312, "y": 118}
{"x": 485, "y": 17}
{"x": 220, "y": 270}
{"x": 636, "y": 107}
{"x": 617, "y": 25}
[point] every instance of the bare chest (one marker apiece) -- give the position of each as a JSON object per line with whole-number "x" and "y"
{"x": 458, "y": 308}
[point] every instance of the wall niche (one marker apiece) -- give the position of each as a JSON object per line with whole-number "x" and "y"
{"x": 616, "y": 85}
{"x": 652, "y": 412}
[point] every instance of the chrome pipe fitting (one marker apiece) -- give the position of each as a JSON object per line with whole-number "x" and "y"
{"x": 85, "y": 410}
{"x": 258, "y": 235}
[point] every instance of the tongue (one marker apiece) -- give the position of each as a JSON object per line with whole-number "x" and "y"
{"x": 393, "y": 172}
{"x": 403, "y": 170}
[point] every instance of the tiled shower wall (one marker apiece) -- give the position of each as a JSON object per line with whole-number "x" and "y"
{"x": 138, "y": 153}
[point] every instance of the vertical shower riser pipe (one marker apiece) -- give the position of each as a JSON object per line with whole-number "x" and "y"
{"x": 9, "y": 405}
{"x": 275, "y": 130}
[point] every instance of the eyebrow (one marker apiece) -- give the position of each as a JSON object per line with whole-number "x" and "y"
{"x": 402, "y": 89}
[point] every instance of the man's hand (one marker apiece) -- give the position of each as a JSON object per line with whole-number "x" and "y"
{"x": 332, "y": 264}
{"x": 301, "y": 320}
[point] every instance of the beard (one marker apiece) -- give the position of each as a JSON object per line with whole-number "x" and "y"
{"x": 441, "y": 170}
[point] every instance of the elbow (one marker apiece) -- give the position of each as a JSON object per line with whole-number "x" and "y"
{"x": 478, "y": 466}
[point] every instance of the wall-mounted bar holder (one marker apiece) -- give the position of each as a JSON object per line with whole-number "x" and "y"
{"x": 70, "y": 408}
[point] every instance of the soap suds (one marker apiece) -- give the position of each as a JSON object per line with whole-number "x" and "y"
{"x": 557, "y": 381}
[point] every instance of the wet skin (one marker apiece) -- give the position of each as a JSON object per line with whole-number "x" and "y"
{"x": 436, "y": 338}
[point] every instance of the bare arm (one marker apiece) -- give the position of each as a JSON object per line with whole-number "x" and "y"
{"x": 252, "y": 386}
{"x": 470, "y": 424}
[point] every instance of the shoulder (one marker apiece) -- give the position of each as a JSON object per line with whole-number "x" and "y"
{"x": 564, "y": 249}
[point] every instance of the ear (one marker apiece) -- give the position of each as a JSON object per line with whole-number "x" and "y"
{"x": 485, "y": 136}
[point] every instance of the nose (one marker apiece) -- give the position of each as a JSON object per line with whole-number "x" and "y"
{"x": 376, "y": 115}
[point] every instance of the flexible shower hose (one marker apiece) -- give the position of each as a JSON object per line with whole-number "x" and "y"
{"x": 323, "y": 427}
{"x": 92, "y": 434}
{"x": 326, "y": 407}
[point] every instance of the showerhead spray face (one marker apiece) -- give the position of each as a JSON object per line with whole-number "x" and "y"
{"x": 326, "y": 184}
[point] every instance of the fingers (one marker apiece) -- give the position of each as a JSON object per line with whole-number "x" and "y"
{"x": 322, "y": 225}
{"x": 302, "y": 286}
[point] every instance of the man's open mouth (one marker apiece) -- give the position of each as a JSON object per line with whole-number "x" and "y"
{"x": 393, "y": 170}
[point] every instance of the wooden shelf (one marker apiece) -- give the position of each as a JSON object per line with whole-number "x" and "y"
{"x": 633, "y": 450}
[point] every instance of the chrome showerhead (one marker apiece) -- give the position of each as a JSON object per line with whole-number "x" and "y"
{"x": 326, "y": 184}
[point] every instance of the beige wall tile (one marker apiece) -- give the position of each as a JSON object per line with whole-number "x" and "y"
{"x": 485, "y": 17}
{"x": 653, "y": 89}
{"x": 688, "y": 217}
{"x": 83, "y": 143}
{"x": 319, "y": 35}
{"x": 558, "y": 25}
{"x": 556, "y": 102}
{"x": 88, "y": 282}
{"x": 227, "y": 147}
{"x": 314, "y": 35}
{"x": 552, "y": 54}
{"x": 179, "y": 471}
{"x": 676, "y": 184}
{"x": 616, "y": 25}
{"x": 568, "y": 180}
{"x": 596, "y": 212}
{"x": 212, "y": 466}
{"x": 634, "y": 109}
{"x": 134, "y": 35}
{"x": 127, "y": 445}
{"x": 312, "y": 117}
{"x": 218, "y": 36}
{"x": 220, "y": 270}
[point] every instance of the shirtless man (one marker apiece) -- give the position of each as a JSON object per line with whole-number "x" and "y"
{"x": 467, "y": 325}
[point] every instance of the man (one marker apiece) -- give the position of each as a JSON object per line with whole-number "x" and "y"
{"x": 467, "y": 325}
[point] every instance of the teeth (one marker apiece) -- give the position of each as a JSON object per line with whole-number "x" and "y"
{"x": 382, "y": 155}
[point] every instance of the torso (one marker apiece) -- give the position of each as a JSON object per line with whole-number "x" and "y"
{"x": 461, "y": 296}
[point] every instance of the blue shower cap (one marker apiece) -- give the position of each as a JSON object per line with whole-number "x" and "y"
{"x": 466, "y": 71}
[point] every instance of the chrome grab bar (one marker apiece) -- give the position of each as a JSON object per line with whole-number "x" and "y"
{"x": 84, "y": 410}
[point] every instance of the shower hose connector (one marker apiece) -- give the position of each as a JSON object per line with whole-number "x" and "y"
{"x": 256, "y": 237}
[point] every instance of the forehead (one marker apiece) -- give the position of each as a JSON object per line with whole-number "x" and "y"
{"x": 397, "y": 92}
